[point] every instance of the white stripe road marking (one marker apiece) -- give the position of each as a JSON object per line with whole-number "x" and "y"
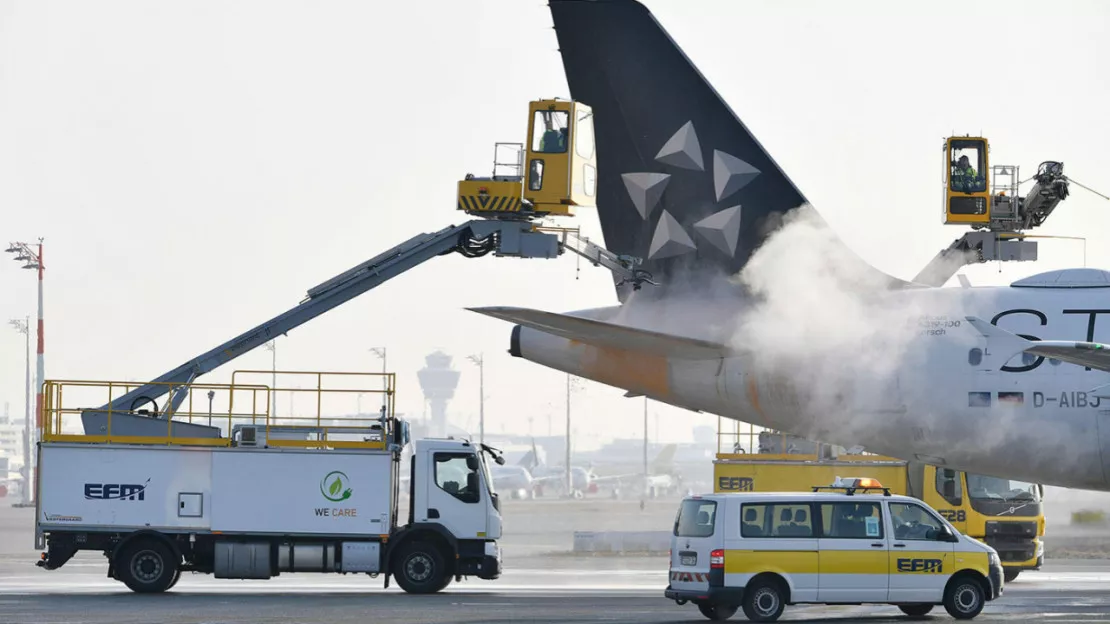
{"x": 530, "y": 580}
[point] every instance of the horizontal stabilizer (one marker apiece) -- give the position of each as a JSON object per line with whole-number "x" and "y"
{"x": 609, "y": 335}
{"x": 1003, "y": 345}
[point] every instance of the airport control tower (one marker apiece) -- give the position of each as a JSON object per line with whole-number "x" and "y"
{"x": 438, "y": 381}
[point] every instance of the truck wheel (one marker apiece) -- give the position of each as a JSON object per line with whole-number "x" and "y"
{"x": 717, "y": 612}
{"x": 176, "y": 578}
{"x": 1010, "y": 575}
{"x": 916, "y": 610}
{"x": 146, "y": 566}
{"x": 420, "y": 569}
{"x": 963, "y": 598}
{"x": 763, "y": 601}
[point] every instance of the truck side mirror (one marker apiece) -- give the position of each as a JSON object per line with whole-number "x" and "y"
{"x": 950, "y": 489}
{"x": 472, "y": 462}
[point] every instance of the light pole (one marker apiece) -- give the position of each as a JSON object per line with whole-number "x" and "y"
{"x": 24, "y": 327}
{"x": 381, "y": 353}
{"x": 480, "y": 361}
{"x": 32, "y": 259}
{"x": 646, "y": 439}
{"x": 570, "y": 482}
{"x": 272, "y": 348}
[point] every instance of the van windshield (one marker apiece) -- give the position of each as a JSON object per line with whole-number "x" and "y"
{"x": 695, "y": 518}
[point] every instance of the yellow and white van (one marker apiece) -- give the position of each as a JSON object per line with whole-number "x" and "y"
{"x": 760, "y": 552}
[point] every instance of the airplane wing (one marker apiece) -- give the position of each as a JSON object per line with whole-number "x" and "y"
{"x": 547, "y": 478}
{"x": 602, "y": 334}
{"x": 1003, "y": 345}
{"x": 619, "y": 477}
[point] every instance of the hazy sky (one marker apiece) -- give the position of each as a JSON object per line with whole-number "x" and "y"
{"x": 196, "y": 166}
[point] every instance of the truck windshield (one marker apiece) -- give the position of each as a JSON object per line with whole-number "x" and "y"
{"x": 982, "y": 487}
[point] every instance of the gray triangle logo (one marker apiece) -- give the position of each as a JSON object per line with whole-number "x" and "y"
{"x": 645, "y": 190}
{"x": 669, "y": 239}
{"x": 730, "y": 174}
{"x": 682, "y": 149}
{"x": 721, "y": 229}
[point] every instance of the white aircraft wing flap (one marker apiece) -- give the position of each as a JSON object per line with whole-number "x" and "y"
{"x": 1003, "y": 345}
{"x": 611, "y": 335}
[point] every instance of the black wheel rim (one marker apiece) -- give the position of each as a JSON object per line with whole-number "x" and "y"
{"x": 966, "y": 598}
{"x": 419, "y": 568}
{"x": 147, "y": 566}
{"x": 766, "y": 601}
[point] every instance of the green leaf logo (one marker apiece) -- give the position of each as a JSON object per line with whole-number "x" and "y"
{"x": 331, "y": 486}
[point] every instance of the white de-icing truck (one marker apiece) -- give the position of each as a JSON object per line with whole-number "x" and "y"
{"x": 241, "y": 493}
{"x": 162, "y": 496}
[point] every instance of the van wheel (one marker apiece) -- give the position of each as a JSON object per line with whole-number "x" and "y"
{"x": 420, "y": 569}
{"x": 916, "y": 610}
{"x": 763, "y": 601}
{"x": 717, "y": 612}
{"x": 963, "y": 598}
{"x": 1010, "y": 575}
{"x": 146, "y": 565}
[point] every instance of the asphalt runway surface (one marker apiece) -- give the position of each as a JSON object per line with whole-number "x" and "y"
{"x": 79, "y": 593}
{"x": 536, "y": 587}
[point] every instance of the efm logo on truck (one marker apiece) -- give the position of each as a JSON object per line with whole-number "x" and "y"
{"x": 928, "y": 566}
{"x": 116, "y": 491}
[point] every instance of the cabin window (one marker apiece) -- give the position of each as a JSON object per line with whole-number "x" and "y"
{"x": 584, "y": 134}
{"x": 549, "y": 131}
{"x": 457, "y": 474}
{"x": 535, "y": 174}
{"x": 949, "y": 487}
{"x": 966, "y": 169}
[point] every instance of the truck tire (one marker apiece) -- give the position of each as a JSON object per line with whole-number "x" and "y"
{"x": 964, "y": 597}
{"x": 717, "y": 613}
{"x": 146, "y": 565}
{"x": 420, "y": 568}
{"x": 1010, "y": 574}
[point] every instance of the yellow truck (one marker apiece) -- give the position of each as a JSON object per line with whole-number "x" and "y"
{"x": 1007, "y": 515}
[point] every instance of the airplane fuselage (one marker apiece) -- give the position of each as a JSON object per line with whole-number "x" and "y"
{"x": 908, "y": 383}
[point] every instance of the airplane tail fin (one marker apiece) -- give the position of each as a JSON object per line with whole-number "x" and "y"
{"x": 664, "y": 462}
{"x": 532, "y": 459}
{"x": 682, "y": 182}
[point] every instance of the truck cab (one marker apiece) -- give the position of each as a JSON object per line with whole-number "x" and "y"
{"x": 457, "y": 491}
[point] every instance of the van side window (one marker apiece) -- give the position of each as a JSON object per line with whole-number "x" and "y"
{"x": 776, "y": 520}
{"x": 912, "y": 522}
{"x": 852, "y": 520}
{"x": 696, "y": 518}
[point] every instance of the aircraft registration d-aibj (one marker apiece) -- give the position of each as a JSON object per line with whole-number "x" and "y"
{"x": 762, "y": 315}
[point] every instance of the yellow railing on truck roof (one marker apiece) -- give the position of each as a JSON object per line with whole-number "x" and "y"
{"x": 210, "y": 413}
{"x": 759, "y": 444}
